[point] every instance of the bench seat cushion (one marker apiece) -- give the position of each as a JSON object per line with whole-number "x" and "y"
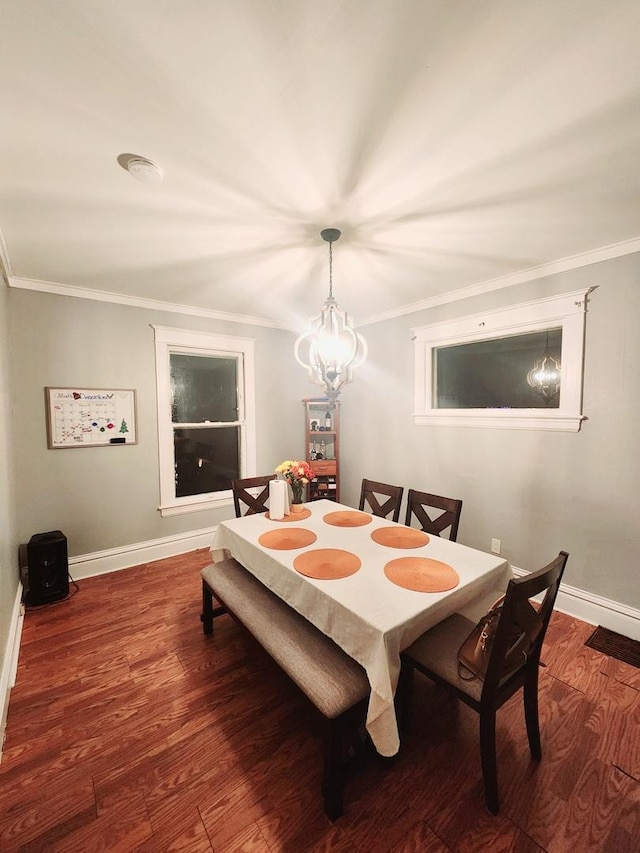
{"x": 332, "y": 680}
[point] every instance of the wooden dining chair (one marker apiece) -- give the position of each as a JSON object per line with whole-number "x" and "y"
{"x": 434, "y": 513}
{"x": 244, "y": 492}
{"x": 373, "y": 494}
{"x": 435, "y": 655}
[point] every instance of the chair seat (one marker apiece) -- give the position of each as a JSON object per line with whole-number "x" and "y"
{"x": 437, "y": 651}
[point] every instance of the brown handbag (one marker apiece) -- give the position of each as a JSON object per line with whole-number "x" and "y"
{"x": 474, "y": 653}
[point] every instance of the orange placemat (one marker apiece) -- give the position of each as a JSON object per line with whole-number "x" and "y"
{"x": 287, "y": 540}
{"x": 347, "y": 518}
{"x": 421, "y": 574}
{"x": 327, "y": 563}
{"x": 400, "y": 537}
{"x": 293, "y": 516}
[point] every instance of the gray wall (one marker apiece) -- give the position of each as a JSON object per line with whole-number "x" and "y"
{"x": 105, "y": 497}
{"x": 537, "y": 491}
{"x": 8, "y": 541}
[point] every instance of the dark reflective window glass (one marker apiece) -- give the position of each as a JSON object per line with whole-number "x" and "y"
{"x": 492, "y": 374}
{"x": 206, "y": 459}
{"x": 204, "y": 388}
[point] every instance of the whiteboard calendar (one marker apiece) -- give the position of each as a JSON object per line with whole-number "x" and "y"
{"x": 90, "y": 417}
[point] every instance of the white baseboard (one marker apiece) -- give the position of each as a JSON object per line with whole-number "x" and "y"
{"x": 595, "y": 609}
{"x": 114, "y": 559}
{"x": 10, "y": 661}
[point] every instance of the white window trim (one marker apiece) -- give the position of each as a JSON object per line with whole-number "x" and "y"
{"x": 567, "y": 311}
{"x": 169, "y": 340}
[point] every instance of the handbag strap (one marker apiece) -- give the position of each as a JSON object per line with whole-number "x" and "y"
{"x": 529, "y": 620}
{"x": 527, "y": 617}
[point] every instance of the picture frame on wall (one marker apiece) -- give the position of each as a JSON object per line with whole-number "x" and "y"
{"x": 90, "y": 417}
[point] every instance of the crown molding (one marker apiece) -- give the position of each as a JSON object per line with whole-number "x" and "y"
{"x": 120, "y": 298}
{"x": 137, "y": 302}
{"x": 595, "y": 256}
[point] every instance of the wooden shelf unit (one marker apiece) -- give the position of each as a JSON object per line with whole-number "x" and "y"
{"x": 322, "y": 447}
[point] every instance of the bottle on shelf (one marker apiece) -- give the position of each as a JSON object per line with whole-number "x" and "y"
{"x": 327, "y": 421}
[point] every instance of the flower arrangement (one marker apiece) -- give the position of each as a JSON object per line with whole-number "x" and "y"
{"x": 297, "y": 474}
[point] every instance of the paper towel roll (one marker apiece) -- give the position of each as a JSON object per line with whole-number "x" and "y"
{"x": 278, "y": 499}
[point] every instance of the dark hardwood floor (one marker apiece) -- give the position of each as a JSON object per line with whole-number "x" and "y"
{"x": 129, "y": 730}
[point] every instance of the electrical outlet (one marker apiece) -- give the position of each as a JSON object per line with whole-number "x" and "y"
{"x": 496, "y": 545}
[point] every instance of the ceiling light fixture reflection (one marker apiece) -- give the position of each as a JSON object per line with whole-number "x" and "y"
{"x": 332, "y": 347}
{"x": 544, "y": 376}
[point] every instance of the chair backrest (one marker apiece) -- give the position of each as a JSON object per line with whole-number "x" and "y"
{"x": 519, "y": 614}
{"x": 255, "y": 503}
{"x": 371, "y": 493}
{"x": 446, "y": 515}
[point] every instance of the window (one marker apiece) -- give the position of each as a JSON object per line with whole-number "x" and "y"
{"x": 519, "y": 368}
{"x": 489, "y": 374}
{"x": 206, "y": 432}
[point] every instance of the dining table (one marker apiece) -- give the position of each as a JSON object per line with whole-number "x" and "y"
{"x": 370, "y": 584}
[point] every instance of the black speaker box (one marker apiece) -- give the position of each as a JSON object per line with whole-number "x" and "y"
{"x": 47, "y": 568}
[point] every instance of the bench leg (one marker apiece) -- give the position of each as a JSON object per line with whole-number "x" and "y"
{"x": 332, "y": 783}
{"x": 208, "y": 610}
{"x": 206, "y": 617}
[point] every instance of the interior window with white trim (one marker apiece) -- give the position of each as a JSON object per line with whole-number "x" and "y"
{"x": 205, "y": 417}
{"x": 519, "y": 367}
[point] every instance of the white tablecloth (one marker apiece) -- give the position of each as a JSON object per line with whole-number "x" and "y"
{"x": 367, "y": 615}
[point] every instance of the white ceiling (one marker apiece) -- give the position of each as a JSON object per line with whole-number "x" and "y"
{"x": 455, "y": 143}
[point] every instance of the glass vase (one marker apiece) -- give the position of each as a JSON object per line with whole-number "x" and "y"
{"x": 296, "y": 496}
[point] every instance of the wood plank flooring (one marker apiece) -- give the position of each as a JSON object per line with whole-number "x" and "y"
{"x": 129, "y": 730}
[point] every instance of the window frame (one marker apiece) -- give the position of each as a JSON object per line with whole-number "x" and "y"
{"x": 184, "y": 341}
{"x": 567, "y": 311}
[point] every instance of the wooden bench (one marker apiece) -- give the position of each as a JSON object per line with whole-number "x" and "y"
{"x": 334, "y": 682}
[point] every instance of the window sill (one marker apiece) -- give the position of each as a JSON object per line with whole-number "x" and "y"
{"x": 195, "y": 505}
{"x": 489, "y": 419}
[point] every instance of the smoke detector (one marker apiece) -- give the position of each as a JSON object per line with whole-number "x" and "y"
{"x": 141, "y": 168}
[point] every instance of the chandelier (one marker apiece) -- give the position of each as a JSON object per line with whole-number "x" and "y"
{"x": 544, "y": 376}
{"x": 331, "y": 345}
